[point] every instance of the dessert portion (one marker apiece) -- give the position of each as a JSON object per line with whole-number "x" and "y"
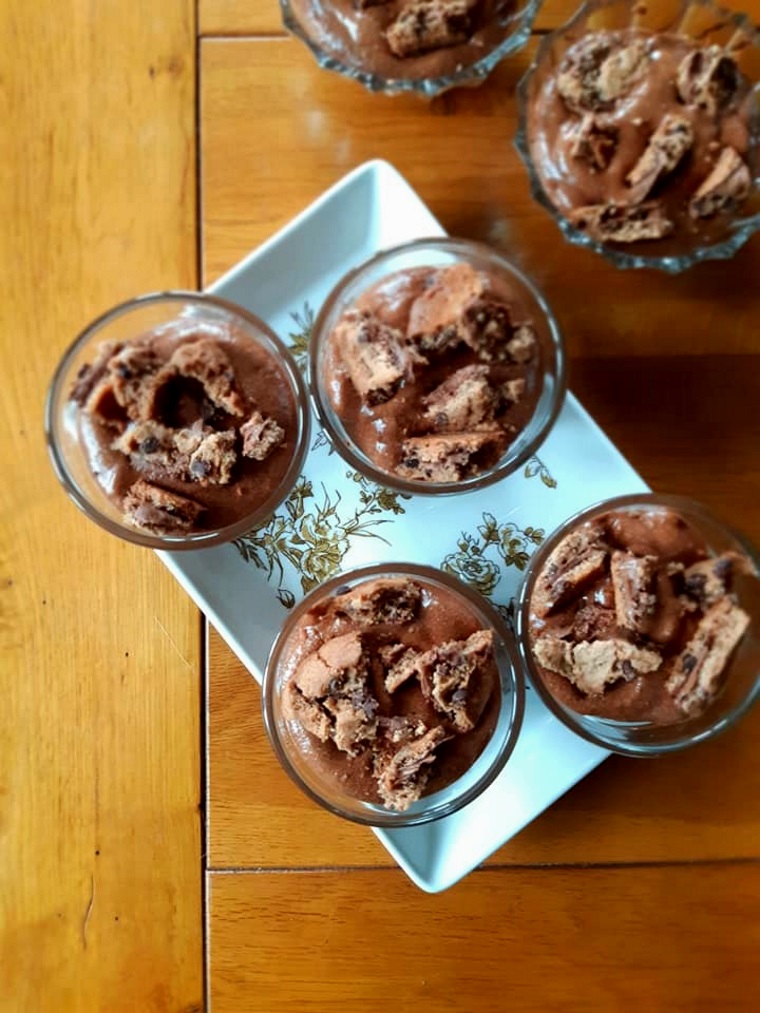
{"x": 632, "y": 618}
{"x": 434, "y": 371}
{"x": 413, "y": 39}
{"x": 392, "y": 689}
{"x": 185, "y": 431}
{"x": 639, "y": 137}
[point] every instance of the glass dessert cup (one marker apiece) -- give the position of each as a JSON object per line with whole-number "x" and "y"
{"x": 702, "y": 22}
{"x": 740, "y": 688}
{"x": 343, "y": 50}
{"x": 291, "y": 742}
{"x": 550, "y": 379}
{"x": 173, "y": 313}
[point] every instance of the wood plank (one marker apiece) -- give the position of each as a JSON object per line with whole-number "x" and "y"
{"x": 241, "y": 17}
{"x": 616, "y": 939}
{"x": 99, "y": 730}
{"x": 276, "y": 132}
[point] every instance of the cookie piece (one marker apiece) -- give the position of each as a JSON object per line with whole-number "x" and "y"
{"x": 708, "y": 78}
{"x": 261, "y": 435}
{"x": 445, "y": 457}
{"x": 458, "y": 677}
{"x": 578, "y": 560}
{"x": 666, "y": 147}
{"x": 726, "y": 186}
{"x": 710, "y": 579}
{"x": 339, "y": 666}
{"x": 592, "y": 665}
{"x": 464, "y": 401}
{"x": 594, "y": 143}
{"x": 433, "y": 324}
{"x": 158, "y": 511}
{"x": 633, "y": 583}
{"x": 206, "y": 362}
{"x": 598, "y": 70}
{"x": 403, "y": 773}
{"x": 387, "y": 600}
{"x": 376, "y": 356}
{"x": 423, "y": 25}
{"x": 622, "y": 223}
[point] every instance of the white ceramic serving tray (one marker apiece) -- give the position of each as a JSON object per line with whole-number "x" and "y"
{"x": 335, "y": 520}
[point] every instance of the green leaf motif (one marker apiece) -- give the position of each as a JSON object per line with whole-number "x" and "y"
{"x": 301, "y": 336}
{"x": 536, "y": 468}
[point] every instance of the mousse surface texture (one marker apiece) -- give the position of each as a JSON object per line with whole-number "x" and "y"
{"x": 434, "y": 371}
{"x": 633, "y": 619}
{"x": 638, "y": 137}
{"x": 392, "y": 689}
{"x": 185, "y": 430}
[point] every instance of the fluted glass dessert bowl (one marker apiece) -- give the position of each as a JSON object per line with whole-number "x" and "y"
{"x": 337, "y": 781}
{"x": 648, "y": 720}
{"x": 189, "y": 467}
{"x": 364, "y": 444}
{"x": 540, "y": 140}
{"x": 348, "y": 38}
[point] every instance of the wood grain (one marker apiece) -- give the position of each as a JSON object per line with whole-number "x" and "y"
{"x": 276, "y": 132}
{"x": 99, "y": 824}
{"x": 663, "y": 939}
{"x": 262, "y": 17}
{"x": 699, "y": 804}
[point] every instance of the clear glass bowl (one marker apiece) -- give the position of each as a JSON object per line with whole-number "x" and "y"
{"x": 741, "y": 688}
{"x": 168, "y": 311}
{"x": 337, "y": 47}
{"x": 441, "y": 253}
{"x": 701, "y": 21}
{"x": 291, "y": 743}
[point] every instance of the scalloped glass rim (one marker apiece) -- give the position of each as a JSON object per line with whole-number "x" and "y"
{"x": 742, "y": 229}
{"x": 475, "y": 73}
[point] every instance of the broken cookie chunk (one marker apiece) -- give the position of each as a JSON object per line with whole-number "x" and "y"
{"x": 708, "y": 78}
{"x": 402, "y": 774}
{"x": 698, "y": 669}
{"x": 339, "y": 667}
{"x": 598, "y": 70}
{"x": 464, "y": 401}
{"x": 158, "y": 511}
{"x": 260, "y": 436}
{"x": 594, "y": 143}
{"x": 457, "y": 676}
{"x": 423, "y": 25}
{"x": 445, "y": 457}
{"x": 724, "y": 189}
{"x": 622, "y": 223}
{"x": 434, "y": 315}
{"x": 382, "y": 601}
{"x": 666, "y": 147}
{"x": 375, "y": 355}
{"x": 578, "y": 560}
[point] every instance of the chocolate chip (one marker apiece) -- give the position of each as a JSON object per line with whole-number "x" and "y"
{"x": 627, "y": 669}
{"x": 149, "y": 445}
{"x": 688, "y": 663}
{"x": 200, "y": 468}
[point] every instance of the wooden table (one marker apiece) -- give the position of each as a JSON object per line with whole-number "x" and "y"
{"x": 152, "y": 146}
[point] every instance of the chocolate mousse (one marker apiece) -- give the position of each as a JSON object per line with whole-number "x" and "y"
{"x": 186, "y": 431}
{"x": 395, "y": 684}
{"x": 433, "y": 372}
{"x": 406, "y": 39}
{"x": 633, "y": 618}
{"x": 639, "y": 137}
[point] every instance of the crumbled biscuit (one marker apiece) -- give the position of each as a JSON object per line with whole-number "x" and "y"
{"x": 384, "y": 600}
{"x": 522, "y": 345}
{"x": 621, "y": 70}
{"x": 622, "y": 223}
{"x": 592, "y": 665}
{"x": 151, "y": 449}
{"x": 578, "y": 560}
{"x": 708, "y": 78}
{"x": 597, "y": 71}
{"x": 308, "y": 713}
{"x": 445, "y": 457}
{"x": 261, "y": 435}
{"x": 594, "y": 143}
{"x": 423, "y": 25}
{"x": 205, "y": 361}
{"x": 711, "y": 579}
{"x": 376, "y": 356}
{"x": 464, "y": 401}
{"x": 354, "y": 722}
{"x": 727, "y": 185}
{"x": 456, "y": 677}
{"x": 402, "y": 774}
{"x": 214, "y": 459}
{"x": 132, "y": 372}
{"x": 158, "y": 511}
{"x": 338, "y": 667}
{"x": 633, "y": 583}
{"x": 513, "y": 390}
{"x": 487, "y": 327}
{"x": 698, "y": 669}
{"x": 666, "y": 147}
{"x": 400, "y": 663}
{"x": 434, "y": 314}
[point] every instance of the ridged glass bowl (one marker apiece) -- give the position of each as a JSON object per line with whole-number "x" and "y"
{"x": 335, "y": 47}
{"x": 701, "y": 21}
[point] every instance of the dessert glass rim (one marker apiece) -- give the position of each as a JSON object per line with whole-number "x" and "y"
{"x": 511, "y": 686}
{"x": 740, "y": 231}
{"x": 509, "y": 463}
{"x": 56, "y": 397}
{"x": 424, "y": 87}
{"x": 582, "y": 724}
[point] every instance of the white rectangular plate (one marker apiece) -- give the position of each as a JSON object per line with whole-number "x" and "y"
{"x": 335, "y": 520}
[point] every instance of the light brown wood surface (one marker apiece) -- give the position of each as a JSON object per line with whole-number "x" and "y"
{"x": 100, "y": 879}
{"x": 507, "y": 939}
